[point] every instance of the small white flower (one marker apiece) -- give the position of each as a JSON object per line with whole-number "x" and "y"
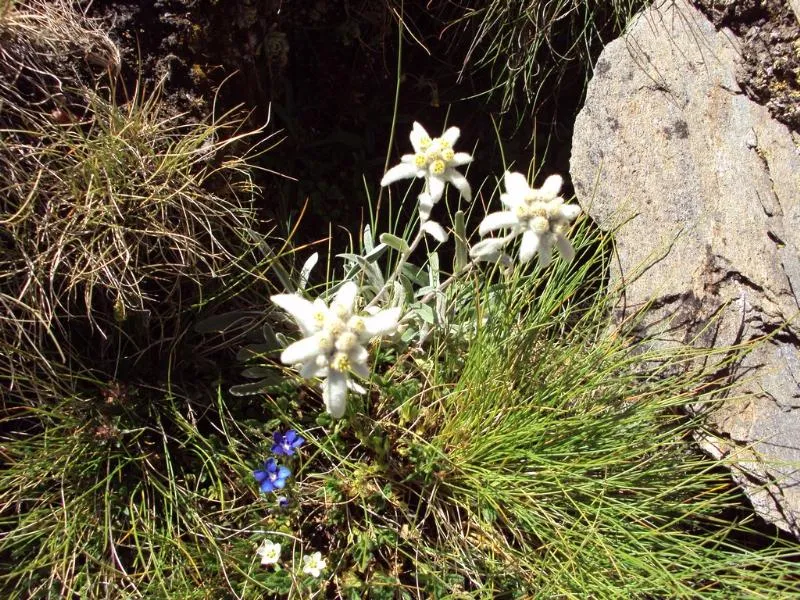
{"x": 314, "y": 564}
{"x": 540, "y": 215}
{"x": 269, "y": 552}
{"x": 435, "y": 160}
{"x": 334, "y": 341}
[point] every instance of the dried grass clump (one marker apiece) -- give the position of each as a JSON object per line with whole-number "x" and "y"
{"x": 105, "y": 209}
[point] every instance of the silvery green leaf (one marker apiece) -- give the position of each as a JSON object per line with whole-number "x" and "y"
{"x": 369, "y": 243}
{"x": 424, "y": 312}
{"x": 219, "y": 323}
{"x": 433, "y": 269}
{"x": 374, "y": 254}
{"x": 280, "y": 271}
{"x": 462, "y": 251}
{"x": 394, "y": 242}
{"x": 306, "y": 270}
{"x": 259, "y": 372}
{"x": 258, "y": 387}
{"x": 252, "y": 351}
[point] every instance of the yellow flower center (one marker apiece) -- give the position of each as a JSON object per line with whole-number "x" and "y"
{"x": 448, "y": 155}
{"x": 425, "y": 142}
{"x": 340, "y": 363}
{"x": 356, "y": 325}
{"x": 540, "y": 225}
{"x": 438, "y": 166}
{"x": 346, "y": 341}
{"x": 420, "y": 161}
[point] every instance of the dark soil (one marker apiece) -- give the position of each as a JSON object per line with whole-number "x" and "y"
{"x": 769, "y": 35}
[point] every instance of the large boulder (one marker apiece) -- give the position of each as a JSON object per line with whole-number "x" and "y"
{"x": 703, "y": 188}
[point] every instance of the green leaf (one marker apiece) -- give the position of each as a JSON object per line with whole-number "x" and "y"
{"x": 267, "y": 384}
{"x": 394, "y": 242}
{"x": 220, "y": 323}
{"x": 461, "y": 258}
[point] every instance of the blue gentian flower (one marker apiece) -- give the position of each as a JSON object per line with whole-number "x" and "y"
{"x": 283, "y": 502}
{"x": 272, "y": 477}
{"x": 286, "y": 444}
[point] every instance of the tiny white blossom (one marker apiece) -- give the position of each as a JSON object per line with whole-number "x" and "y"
{"x": 334, "y": 341}
{"x": 434, "y": 160}
{"x": 269, "y": 552}
{"x": 538, "y": 214}
{"x": 314, "y": 564}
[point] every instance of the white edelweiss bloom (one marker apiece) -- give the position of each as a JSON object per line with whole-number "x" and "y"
{"x": 269, "y": 552}
{"x": 434, "y": 160}
{"x": 314, "y": 564}
{"x": 335, "y": 341}
{"x": 538, "y": 214}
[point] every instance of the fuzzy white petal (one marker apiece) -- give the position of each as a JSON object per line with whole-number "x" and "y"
{"x": 435, "y": 230}
{"x": 498, "y": 220}
{"x": 418, "y": 133}
{"x": 451, "y": 135}
{"x": 402, "y": 171}
{"x": 516, "y": 184}
{"x": 355, "y": 388}
{"x": 301, "y": 351}
{"x": 382, "y": 323}
{"x": 530, "y": 244}
{"x": 545, "y": 250}
{"x": 487, "y": 248}
{"x": 570, "y": 212}
{"x": 459, "y": 159}
{"x": 300, "y": 309}
{"x": 552, "y": 186}
{"x": 311, "y": 369}
{"x": 565, "y": 248}
{"x": 460, "y": 183}
{"x": 334, "y": 393}
{"x": 346, "y": 296}
{"x": 361, "y": 369}
{"x": 425, "y": 206}
{"x": 435, "y": 188}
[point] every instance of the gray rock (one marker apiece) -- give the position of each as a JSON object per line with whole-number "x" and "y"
{"x": 704, "y": 188}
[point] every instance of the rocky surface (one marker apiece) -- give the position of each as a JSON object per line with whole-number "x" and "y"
{"x": 704, "y": 186}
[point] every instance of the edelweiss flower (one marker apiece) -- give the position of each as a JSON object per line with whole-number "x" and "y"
{"x": 435, "y": 160}
{"x": 540, "y": 215}
{"x": 269, "y": 552}
{"x": 314, "y": 564}
{"x": 334, "y": 341}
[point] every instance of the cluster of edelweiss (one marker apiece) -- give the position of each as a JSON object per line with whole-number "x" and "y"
{"x": 335, "y": 336}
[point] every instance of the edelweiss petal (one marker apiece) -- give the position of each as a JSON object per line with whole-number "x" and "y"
{"x": 460, "y": 183}
{"x": 300, "y": 309}
{"x": 346, "y": 296}
{"x": 420, "y": 140}
{"x": 529, "y": 246}
{"x": 498, "y": 220}
{"x": 565, "y": 248}
{"x": 382, "y": 323}
{"x": 435, "y": 230}
{"x": 334, "y": 393}
{"x": 551, "y": 186}
{"x": 301, "y": 351}
{"x": 516, "y": 184}
{"x": 488, "y": 249}
{"x": 451, "y": 135}
{"x": 435, "y": 189}
{"x": 402, "y": 171}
